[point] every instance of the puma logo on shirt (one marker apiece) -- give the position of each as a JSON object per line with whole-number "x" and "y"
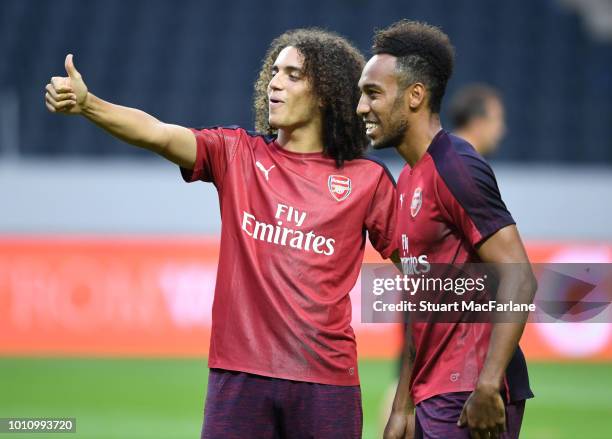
{"x": 264, "y": 170}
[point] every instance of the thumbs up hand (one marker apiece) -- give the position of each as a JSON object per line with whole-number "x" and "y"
{"x": 67, "y": 95}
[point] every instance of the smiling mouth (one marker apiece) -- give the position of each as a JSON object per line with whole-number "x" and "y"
{"x": 370, "y": 127}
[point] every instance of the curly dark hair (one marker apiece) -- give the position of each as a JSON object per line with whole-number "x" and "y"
{"x": 333, "y": 66}
{"x": 424, "y": 54}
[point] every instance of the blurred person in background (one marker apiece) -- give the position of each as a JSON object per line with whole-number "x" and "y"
{"x": 476, "y": 113}
{"x": 457, "y": 380}
{"x": 296, "y": 201}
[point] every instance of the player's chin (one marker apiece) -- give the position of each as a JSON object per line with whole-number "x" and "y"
{"x": 375, "y": 137}
{"x": 274, "y": 122}
{"x": 280, "y": 123}
{"x": 375, "y": 141}
{"x": 380, "y": 143}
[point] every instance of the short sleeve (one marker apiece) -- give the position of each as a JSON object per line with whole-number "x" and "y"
{"x": 381, "y": 216}
{"x": 468, "y": 194}
{"x": 216, "y": 148}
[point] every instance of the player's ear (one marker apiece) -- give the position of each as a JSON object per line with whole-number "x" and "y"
{"x": 415, "y": 94}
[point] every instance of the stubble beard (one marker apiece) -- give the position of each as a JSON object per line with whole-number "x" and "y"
{"x": 397, "y": 129}
{"x": 393, "y": 139}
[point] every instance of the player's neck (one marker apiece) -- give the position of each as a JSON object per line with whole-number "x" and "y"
{"x": 418, "y": 137}
{"x": 305, "y": 139}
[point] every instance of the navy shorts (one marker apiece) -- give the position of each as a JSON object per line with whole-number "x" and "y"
{"x": 436, "y": 418}
{"x": 242, "y": 405}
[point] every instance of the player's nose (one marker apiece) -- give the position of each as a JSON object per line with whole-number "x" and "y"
{"x": 275, "y": 83}
{"x": 362, "y": 106}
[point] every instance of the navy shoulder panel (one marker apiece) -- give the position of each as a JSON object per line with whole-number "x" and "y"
{"x": 471, "y": 181}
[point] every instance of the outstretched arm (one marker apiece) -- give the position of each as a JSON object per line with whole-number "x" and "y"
{"x": 69, "y": 95}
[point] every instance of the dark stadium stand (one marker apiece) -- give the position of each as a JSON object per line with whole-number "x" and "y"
{"x": 193, "y": 62}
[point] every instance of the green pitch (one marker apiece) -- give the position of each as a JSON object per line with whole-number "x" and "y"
{"x": 164, "y": 398}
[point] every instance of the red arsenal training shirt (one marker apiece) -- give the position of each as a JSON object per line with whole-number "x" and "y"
{"x": 292, "y": 241}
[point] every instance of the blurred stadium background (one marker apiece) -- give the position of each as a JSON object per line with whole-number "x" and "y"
{"x": 107, "y": 260}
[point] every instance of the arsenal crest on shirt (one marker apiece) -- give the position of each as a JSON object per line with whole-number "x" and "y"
{"x": 417, "y": 201}
{"x": 339, "y": 186}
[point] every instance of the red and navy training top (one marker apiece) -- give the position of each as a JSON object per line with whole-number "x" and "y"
{"x": 448, "y": 204}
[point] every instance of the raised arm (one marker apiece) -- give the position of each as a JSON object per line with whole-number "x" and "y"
{"x": 69, "y": 95}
